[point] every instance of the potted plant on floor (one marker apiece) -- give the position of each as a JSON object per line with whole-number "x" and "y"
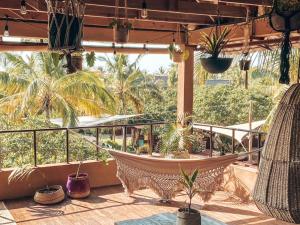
{"x": 188, "y": 215}
{"x": 46, "y": 195}
{"x": 121, "y": 30}
{"x": 78, "y": 185}
{"x": 212, "y": 46}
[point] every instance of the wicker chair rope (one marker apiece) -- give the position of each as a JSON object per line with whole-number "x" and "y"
{"x": 277, "y": 189}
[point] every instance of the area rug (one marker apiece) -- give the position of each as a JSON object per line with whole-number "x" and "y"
{"x": 166, "y": 219}
{"x": 5, "y": 216}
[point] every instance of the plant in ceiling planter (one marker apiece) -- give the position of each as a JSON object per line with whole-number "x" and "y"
{"x": 177, "y": 54}
{"x": 212, "y": 46}
{"x": 285, "y": 17}
{"x": 121, "y": 30}
{"x": 46, "y": 195}
{"x": 188, "y": 215}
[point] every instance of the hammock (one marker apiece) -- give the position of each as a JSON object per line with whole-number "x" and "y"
{"x": 163, "y": 175}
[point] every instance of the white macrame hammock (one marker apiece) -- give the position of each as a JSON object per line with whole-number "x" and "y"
{"x": 163, "y": 175}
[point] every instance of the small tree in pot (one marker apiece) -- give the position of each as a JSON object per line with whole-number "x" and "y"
{"x": 213, "y": 45}
{"x": 188, "y": 215}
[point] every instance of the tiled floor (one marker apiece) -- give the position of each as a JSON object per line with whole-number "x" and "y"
{"x": 108, "y": 205}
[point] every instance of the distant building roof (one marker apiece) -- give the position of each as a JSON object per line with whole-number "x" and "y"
{"x": 89, "y": 121}
{"x": 217, "y": 82}
{"x": 239, "y": 135}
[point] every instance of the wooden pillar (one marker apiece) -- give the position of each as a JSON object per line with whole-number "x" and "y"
{"x": 185, "y": 85}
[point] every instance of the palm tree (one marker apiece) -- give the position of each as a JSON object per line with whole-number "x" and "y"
{"x": 128, "y": 84}
{"x": 37, "y": 84}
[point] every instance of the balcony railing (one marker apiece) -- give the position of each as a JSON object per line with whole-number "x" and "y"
{"x": 124, "y": 128}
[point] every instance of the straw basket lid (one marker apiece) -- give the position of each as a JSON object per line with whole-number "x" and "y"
{"x": 276, "y": 191}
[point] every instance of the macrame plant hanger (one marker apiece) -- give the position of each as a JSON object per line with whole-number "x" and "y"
{"x": 285, "y": 22}
{"x": 65, "y": 28}
{"x": 245, "y": 52}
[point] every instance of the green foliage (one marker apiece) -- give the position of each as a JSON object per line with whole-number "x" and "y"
{"x": 188, "y": 182}
{"x": 214, "y": 44}
{"x": 17, "y": 148}
{"x": 39, "y": 85}
{"x": 288, "y": 5}
{"x": 228, "y": 105}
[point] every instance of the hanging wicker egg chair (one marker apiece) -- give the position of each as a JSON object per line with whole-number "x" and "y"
{"x": 277, "y": 189}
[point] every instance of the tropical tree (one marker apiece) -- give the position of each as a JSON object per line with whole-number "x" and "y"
{"x": 128, "y": 83}
{"x": 37, "y": 84}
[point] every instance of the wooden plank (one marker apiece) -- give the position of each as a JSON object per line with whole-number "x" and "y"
{"x": 162, "y": 6}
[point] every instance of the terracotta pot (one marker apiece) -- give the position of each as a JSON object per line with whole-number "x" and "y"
{"x": 78, "y": 187}
{"x": 216, "y": 65}
{"x": 177, "y": 57}
{"x": 121, "y": 34}
{"x": 245, "y": 64}
{"x": 77, "y": 61}
{"x": 50, "y": 195}
{"x": 186, "y": 218}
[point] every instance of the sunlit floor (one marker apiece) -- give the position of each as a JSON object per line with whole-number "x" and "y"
{"x": 108, "y": 205}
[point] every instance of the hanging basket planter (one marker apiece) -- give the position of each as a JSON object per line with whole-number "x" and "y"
{"x": 216, "y": 65}
{"x": 245, "y": 64}
{"x": 65, "y": 29}
{"x": 177, "y": 57}
{"x": 121, "y": 34}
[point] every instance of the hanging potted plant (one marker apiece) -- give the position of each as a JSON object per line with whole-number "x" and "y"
{"x": 212, "y": 46}
{"x": 177, "y": 54}
{"x": 285, "y": 17}
{"x": 121, "y": 30}
{"x": 46, "y": 195}
{"x": 188, "y": 215}
{"x": 65, "y": 24}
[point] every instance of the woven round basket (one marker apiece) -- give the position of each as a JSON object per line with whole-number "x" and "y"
{"x": 277, "y": 189}
{"x": 50, "y": 195}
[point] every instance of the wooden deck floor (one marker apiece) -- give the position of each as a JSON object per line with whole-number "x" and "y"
{"x": 108, "y": 205}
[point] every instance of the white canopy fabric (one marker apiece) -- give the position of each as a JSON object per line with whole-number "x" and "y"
{"x": 89, "y": 121}
{"x": 239, "y": 135}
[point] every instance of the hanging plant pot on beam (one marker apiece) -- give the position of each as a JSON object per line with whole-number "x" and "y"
{"x": 121, "y": 30}
{"x": 285, "y": 17}
{"x": 212, "y": 45}
{"x": 65, "y": 30}
{"x": 177, "y": 54}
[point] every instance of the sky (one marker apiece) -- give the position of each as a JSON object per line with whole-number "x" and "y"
{"x": 149, "y": 62}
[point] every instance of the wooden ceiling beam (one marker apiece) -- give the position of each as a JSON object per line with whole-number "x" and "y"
{"x": 109, "y": 12}
{"x": 43, "y": 47}
{"x": 179, "y": 8}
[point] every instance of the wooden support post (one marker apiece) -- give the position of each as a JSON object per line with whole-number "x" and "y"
{"x": 259, "y": 146}
{"x": 185, "y": 85}
{"x": 34, "y": 148}
{"x": 124, "y": 139}
{"x": 250, "y": 132}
